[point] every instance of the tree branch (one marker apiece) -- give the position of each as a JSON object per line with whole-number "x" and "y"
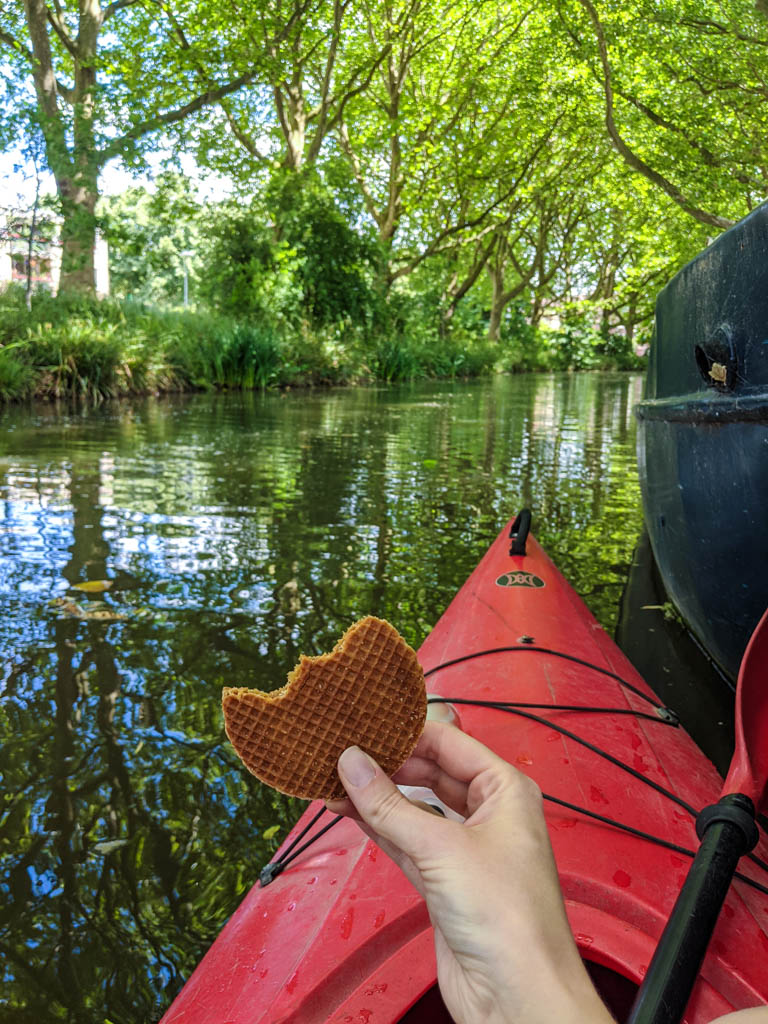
{"x": 56, "y": 21}
{"x": 115, "y": 6}
{"x": 629, "y": 157}
{"x": 242, "y": 136}
{"x": 475, "y": 270}
{"x": 8, "y": 39}
{"x": 706, "y": 154}
{"x": 463, "y": 225}
{"x": 724, "y": 30}
{"x": 348, "y": 93}
{"x": 205, "y": 99}
{"x": 368, "y": 197}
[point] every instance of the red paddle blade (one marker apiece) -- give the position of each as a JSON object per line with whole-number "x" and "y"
{"x": 748, "y": 773}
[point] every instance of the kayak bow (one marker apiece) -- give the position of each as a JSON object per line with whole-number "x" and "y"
{"x": 339, "y": 935}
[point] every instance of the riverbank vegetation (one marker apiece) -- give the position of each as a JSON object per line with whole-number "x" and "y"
{"x": 76, "y": 345}
{"x": 405, "y": 189}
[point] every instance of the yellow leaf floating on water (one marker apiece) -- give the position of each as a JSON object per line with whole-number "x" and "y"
{"x": 93, "y": 586}
{"x": 104, "y": 615}
{"x": 271, "y": 832}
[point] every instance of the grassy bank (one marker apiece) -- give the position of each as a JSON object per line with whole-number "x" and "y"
{"x": 76, "y": 346}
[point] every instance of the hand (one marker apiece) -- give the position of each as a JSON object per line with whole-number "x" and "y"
{"x": 505, "y": 952}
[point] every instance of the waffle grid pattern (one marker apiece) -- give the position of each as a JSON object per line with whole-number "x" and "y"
{"x": 369, "y": 691}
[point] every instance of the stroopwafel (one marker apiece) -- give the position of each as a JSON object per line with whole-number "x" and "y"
{"x": 368, "y": 691}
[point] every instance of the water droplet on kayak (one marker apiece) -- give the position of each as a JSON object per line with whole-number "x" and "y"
{"x": 290, "y": 907}
{"x": 378, "y": 921}
{"x": 292, "y": 982}
{"x": 346, "y": 923}
{"x": 597, "y": 796}
{"x": 373, "y": 852}
{"x": 640, "y": 764}
{"x": 584, "y": 940}
{"x": 622, "y": 879}
{"x": 342, "y": 852}
{"x": 524, "y": 759}
{"x": 376, "y": 990}
{"x": 312, "y": 880}
{"x": 333, "y": 881}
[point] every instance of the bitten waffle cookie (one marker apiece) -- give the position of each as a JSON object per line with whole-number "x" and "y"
{"x": 368, "y": 691}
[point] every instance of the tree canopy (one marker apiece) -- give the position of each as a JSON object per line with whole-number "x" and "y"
{"x": 571, "y": 154}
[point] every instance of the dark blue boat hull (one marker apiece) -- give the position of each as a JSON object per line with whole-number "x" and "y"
{"x": 703, "y": 440}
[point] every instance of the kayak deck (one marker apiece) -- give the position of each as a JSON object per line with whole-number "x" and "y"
{"x": 341, "y": 936}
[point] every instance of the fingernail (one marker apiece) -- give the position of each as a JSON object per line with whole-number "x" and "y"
{"x": 357, "y": 766}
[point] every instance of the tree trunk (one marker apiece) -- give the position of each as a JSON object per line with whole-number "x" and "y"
{"x": 497, "y": 302}
{"x": 75, "y": 169}
{"x": 78, "y": 233}
{"x": 292, "y": 115}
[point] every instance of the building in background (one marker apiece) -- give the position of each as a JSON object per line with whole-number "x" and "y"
{"x": 45, "y": 254}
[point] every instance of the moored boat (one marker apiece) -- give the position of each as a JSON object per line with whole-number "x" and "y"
{"x": 338, "y": 935}
{"x": 703, "y": 439}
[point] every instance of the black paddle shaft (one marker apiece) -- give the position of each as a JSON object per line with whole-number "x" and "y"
{"x": 727, "y": 830}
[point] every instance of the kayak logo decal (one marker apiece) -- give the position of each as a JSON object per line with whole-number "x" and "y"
{"x": 520, "y": 579}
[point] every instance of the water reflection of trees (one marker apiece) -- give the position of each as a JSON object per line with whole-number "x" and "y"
{"x": 239, "y": 532}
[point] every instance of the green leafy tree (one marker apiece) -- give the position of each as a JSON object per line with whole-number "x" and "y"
{"x": 247, "y": 272}
{"x": 147, "y": 234}
{"x": 104, "y": 83}
{"x": 317, "y": 66}
{"x": 683, "y": 91}
{"x": 337, "y": 263}
{"x": 292, "y": 256}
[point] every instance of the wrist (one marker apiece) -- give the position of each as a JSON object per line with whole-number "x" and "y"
{"x": 566, "y": 996}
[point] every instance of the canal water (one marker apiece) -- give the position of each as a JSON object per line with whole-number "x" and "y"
{"x": 234, "y": 533}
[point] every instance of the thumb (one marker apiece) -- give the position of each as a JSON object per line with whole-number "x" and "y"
{"x": 380, "y": 803}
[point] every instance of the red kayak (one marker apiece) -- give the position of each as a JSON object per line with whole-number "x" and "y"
{"x": 338, "y": 935}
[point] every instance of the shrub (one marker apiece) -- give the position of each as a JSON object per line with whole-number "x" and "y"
{"x": 395, "y": 359}
{"x": 76, "y": 357}
{"x": 575, "y": 345}
{"x": 251, "y": 357}
{"x": 337, "y": 264}
{"x": 248, "y": 273}
{"x": 15, "y": 375}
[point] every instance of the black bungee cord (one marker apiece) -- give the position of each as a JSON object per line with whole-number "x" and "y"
{"x": 662, "y": 716}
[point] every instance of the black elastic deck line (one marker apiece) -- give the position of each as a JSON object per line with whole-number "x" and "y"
{"x": 272, "y": 870}
{"x": 663, "y": 715}
{"x": 513, "y": 709}
{"x": 303, "y": 832}
{"x": 656, "y": 840}
{"x": 501, "y": 706}
{"x": 544, "y": 650}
